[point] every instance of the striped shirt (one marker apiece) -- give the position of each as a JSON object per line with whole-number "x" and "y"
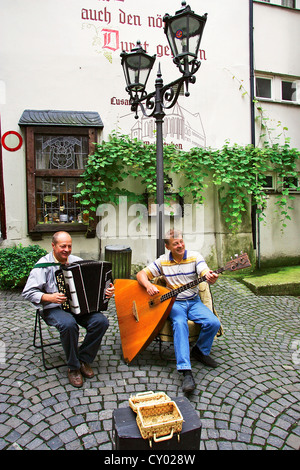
{"x": 180, "y": 273}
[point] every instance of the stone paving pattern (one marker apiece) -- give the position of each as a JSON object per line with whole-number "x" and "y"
{"x": 251, "y": 401}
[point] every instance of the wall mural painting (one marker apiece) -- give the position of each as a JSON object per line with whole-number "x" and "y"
{"x": 109, "y": 29}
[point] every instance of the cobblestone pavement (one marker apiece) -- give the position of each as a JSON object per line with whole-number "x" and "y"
{"x": 251, "y": 401}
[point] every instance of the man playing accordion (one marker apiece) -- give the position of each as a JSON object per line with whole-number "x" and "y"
{"x": 41, "y": 289}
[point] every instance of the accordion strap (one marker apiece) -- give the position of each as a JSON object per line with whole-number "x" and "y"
{"x": 45, "y": 265}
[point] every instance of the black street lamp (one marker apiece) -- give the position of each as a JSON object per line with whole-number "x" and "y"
{"x": 184, "y": 32}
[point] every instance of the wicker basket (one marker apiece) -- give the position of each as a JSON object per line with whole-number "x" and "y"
{"x": 147, "y": 398}
{"x": 159, "y": 422}
{"x": 158, "y": 417}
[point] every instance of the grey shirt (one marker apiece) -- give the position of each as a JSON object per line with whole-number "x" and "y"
{"x": 42, "y": 281}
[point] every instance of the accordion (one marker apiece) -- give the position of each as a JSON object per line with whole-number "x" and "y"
{"x": 84, "y": 284}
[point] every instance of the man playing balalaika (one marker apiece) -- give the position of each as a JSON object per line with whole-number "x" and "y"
{"x": 180, "y": 267}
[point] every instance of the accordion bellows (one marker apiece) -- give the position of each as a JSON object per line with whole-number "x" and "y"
{"x": 84, "y": 283}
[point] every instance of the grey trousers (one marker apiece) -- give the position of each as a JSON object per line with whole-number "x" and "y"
{"x": 95, "y": 324}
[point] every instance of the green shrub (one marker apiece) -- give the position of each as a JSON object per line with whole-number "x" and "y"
{"x": 16, "y": 264}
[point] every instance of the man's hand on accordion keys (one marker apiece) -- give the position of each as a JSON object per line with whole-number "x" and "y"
{"x": 110, "y": 291}
{"x": 55, "y": 298}
{"x": 60, "y": 298}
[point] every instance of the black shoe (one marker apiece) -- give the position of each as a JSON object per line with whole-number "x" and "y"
{"x": 206, "y": 360}
{"x": 188, "y": 384}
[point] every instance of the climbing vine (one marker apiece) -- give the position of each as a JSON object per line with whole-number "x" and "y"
{"x": 281, "y": 158}
{"x": 239, "y": 173}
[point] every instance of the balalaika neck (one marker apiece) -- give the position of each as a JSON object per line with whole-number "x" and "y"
{"x": 175, "y": 292}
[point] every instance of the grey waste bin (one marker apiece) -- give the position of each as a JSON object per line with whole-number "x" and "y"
{"x": 120, "y": 258}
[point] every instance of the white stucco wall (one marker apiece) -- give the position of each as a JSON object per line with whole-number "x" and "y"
{"x": 65, "y": 55}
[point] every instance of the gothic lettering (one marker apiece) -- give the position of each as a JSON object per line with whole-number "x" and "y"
{"x": 155, "y": 23}
{"x": 163, "y": 50}
{"x": 111, "y": 39}
{"x": 96, "y": 15}
{"x": 128, "y": 46}
{"x": 119, "y": 102}
{"x": 132, "y": 20}
{"x": 202, "y": 54}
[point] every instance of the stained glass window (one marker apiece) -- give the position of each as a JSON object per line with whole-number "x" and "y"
{"x": 61, "y": 152}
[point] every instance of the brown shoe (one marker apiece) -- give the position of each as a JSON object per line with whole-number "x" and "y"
{"x": 75, "y": 378}
{"x": 86, "y": 370}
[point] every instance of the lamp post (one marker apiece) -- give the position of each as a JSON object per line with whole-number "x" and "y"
{"x": 184, "y": 32}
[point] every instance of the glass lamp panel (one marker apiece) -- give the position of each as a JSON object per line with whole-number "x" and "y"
{"x": 177, "y": 36}
{"x": 195, "y": 34}
{"x": 185, "y": 33}
{"x": 137, "y": 67}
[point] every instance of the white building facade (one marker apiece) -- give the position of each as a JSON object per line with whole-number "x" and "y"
{"x": 62, "y": 89}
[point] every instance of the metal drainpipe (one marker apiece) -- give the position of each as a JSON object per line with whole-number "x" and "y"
{"x": 251, "y": 46}
{"x": 3, "y": 232}
{"x": 254, "y": 218}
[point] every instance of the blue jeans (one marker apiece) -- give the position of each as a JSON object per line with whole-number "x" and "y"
{"x": 195, "y": 310}
{"x": 95, "y": 324}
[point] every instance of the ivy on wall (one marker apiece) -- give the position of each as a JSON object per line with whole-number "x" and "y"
{"x": 239, "y": 173}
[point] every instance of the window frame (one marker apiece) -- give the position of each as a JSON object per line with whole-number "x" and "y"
{"x": 36, "y": 230}
{"x": 294, "y": 186}
{"x": 288, "y": 6}
{"x": 279, "y": 4}
{"x": 271, "y": 80}
{"x": 292, "y": 82}
{"x": 276, "y": 87}
{"x": 270, "y": 188}
{"x": 279, "y": 183}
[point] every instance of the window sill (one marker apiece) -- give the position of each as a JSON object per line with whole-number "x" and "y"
{"x": 41, "y": 229}
{"x": 277, "y": 6}
{"x": 282, "y": 102}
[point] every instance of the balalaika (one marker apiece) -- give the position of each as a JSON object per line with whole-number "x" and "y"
{"x": 84, "y": 283}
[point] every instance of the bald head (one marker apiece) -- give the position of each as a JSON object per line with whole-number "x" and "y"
{"x": 62, "y": 246}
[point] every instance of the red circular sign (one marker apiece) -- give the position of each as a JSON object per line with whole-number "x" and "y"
{"x": 14, "y": 147}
